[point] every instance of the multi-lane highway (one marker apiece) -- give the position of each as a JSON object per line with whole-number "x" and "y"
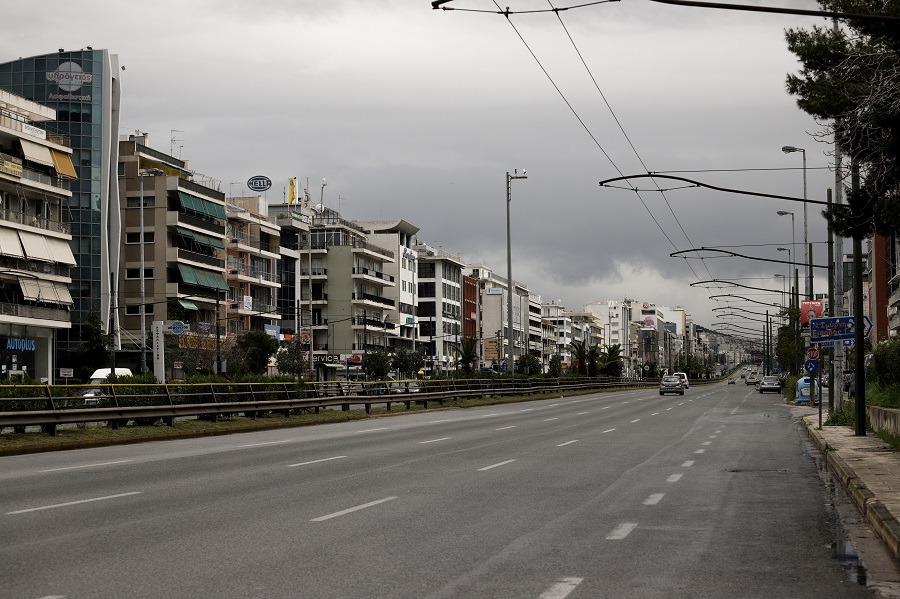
{"x": 624, "y": 494}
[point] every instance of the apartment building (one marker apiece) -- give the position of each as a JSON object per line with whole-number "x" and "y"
{"x": 252, "y": 245}
{"x": 494, "y": 335}
{"x": 172, "y": 263}
{"x": 36, "y": 174}
{"x": 440, "y": 299}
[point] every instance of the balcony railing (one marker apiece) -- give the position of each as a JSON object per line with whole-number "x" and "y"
{"x": 30, "y": 174}
{"x": 374, "y": 298}
{"x": 20, "y": 311}
{"x": 373, "y": 273}
{"x": 22, "y": 218}
{"x": 203, "y": 258}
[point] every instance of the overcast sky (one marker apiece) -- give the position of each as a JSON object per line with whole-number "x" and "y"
{"x": 418, "y": 114}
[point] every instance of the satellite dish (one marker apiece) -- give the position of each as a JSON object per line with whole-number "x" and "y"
{"x": 319, "y": 208}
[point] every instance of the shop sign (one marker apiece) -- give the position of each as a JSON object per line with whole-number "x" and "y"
{"x": 34, "y": 131}
{"x": 327, "y": 358}
{"x": 18, "y": 344}
{"x": 259, "y": 183}
{"x": 69, "y": 76}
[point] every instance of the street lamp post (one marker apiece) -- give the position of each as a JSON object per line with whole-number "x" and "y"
{"x": 807, "y": 283}
{"x": 511, "y": 288}
{"x": 144, "y": 172}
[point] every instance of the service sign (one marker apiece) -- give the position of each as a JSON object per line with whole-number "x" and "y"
{"x": 259, "y": 183}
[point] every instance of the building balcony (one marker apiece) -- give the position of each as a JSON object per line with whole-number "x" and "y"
{"x": 317, "y": 297}
{"x": 251, "y": 275}
{"x": 375, "y": 299}
{"x": 57, "y": 318}
{"x": 316, "y": 273}
{"x": 183, "y": 255}
{"x": 372, "y": 275}
{"x": 373, "y": 324}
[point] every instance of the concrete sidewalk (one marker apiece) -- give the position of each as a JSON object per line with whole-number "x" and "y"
{"x": 869, "y": 470}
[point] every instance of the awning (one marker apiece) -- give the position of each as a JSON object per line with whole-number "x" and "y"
{"x": 202, "y": 278}
{"x": 61, "y": 251}
{"x": 10, "y": 244}
{"x": 62, "y": 162}
{"x": 187, "y": 305}
{"x": 201, "y": 206}
{"x": 209, "y": 241}
{"x": 187, "y": 274}
{"x": 50, "y": 292}
{"x": 36, "y": 152}
{"x": 186, "y": 233}
{"x": 36, "y": 247}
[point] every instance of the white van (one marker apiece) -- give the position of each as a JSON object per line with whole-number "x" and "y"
{"x": 684, "y": 379}
{"x": 92, "y": 396}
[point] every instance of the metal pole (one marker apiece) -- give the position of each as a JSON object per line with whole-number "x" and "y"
{"x": 312, "y": 367}
{"x": 218, "y": 338}
{"x": 831, "y": 278}
{"x": 809, "y": 289}
{"x": 859, "y": 322}
{"x": 141, "y": 175}
{"x": 511, "y": 287}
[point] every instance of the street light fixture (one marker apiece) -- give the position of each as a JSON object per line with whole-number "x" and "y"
{"x": 144, "y": 172}
{"x": 511, "y": 288}
{"x": 807, "y": 284}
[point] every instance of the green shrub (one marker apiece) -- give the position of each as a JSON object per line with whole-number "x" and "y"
{"x": 885, "y": 368}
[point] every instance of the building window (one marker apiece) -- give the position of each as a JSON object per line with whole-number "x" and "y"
{"x": 426, "y": 270}
{"x": 149, "y": 202}
{"x": 426, "y": 289}
{"x": 136, "y": 237}
{"x": 136, "y": 309}
{"x": 135, "y": 273}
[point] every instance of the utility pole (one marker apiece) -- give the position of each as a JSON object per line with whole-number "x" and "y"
{"x": 859, "y": 321}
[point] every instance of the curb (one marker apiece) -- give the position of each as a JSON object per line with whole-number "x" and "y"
{"x": 875, "y": 512}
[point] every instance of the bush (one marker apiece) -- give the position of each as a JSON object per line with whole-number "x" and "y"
{"x": 885, "y": 368}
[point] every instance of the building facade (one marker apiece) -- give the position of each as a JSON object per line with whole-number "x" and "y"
{"x": 83, "y": 86}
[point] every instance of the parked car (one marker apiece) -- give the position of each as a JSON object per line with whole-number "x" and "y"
{"x": 671, "y": 384}
{"x": 807, "y": 390}
{"x": 93, "y": 395}
{"x": 770, "y": 383}
{"x": 684, "y": 379}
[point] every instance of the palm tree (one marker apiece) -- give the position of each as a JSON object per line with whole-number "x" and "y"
{"x": 579, "y": 356}
{"x": 612, "y": 359}
{"x": 467, "y": 354}
{"x": 594, "y": 356}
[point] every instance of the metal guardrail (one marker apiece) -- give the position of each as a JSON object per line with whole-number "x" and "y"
{"x": 49, "y": 406}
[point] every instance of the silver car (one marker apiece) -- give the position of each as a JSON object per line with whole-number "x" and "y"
{"x": 770, "y": 383}
{"x": 671, "y": 384}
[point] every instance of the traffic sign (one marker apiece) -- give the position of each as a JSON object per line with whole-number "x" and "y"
{"x": 836, "y": 328}
{"x": 812, "y": 353}
{"x": 811, "y": 366}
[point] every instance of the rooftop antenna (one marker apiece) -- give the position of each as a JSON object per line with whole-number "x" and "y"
{"x": 230, "y": 185}
{"x": 173, "y": 140}
{"x": 322, "y": 195}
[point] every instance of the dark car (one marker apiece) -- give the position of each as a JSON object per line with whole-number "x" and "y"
{"x": 671, "y": 384}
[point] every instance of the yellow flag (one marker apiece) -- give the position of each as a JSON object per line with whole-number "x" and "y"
{"x": 292, "y": 190}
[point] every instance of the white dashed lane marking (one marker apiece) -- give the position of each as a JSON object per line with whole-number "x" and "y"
{"x": 567, "y": 443}
{"x": 503, "y": 428}
{"x": 86, "y": 466}
{"x": 337, "y": 457}
{"x": 609, "y": 430}
{"x": 674, "y": 478}
{"x": 434, "y": 440}
{"x": 654, "y": 499}
{"x": 68, "y": 503}
{"x": 496, "y": 465}
{"x": 700, "y": 451}
{"x": 561, "y": 588}
{"x": 352, "y": 509}
{"x": 688, "y": 464}
{"x": 621, "y": 531}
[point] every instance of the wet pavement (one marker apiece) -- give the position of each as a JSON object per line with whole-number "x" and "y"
{"x": 862, "y": 478}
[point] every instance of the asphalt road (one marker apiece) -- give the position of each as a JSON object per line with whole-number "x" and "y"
{"x": 624, "y": 494}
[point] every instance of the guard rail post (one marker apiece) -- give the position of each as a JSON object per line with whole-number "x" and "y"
{"x": 50, "y": 428}
{"x": 168, "y": 420}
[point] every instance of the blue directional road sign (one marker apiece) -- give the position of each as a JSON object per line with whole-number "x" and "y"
{"x": 811, "y": 366}
{"x": 836, "y": 328}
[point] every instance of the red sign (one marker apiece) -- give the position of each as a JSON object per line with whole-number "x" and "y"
{"x": 809, "y": 309}
{"x": 812, "y": 353}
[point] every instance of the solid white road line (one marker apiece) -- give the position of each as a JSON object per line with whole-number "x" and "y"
{"x": 352, "y": 509}
{"x": 434, "y": 440}
{"x": 567, "y": 443}
{"x": 337, "y": 457}
{"x": 674, "y": 478}
{"x": 503, "y": 428}
{"x": 68, "y": 503}
{"x": 86, "y": 466}
{"x": 621, "y": 531}
{"x": 688, "y": 464}
{"x": 700, "y": 451}
{"x": 609, "y": 430}
{"x": 370, "y": 430}
{"x": 654, "y": 499}
{"x": 496, "y": 465}
{"x": 561, "y": 588}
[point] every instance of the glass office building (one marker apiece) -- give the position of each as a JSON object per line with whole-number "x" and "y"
{"x": 83, "y": 87}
